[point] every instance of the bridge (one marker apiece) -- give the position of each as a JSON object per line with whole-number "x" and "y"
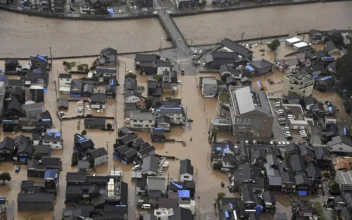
{"x": 183, "y": 51}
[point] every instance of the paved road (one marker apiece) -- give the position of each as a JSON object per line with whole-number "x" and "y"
{"x": 175, "y": 34}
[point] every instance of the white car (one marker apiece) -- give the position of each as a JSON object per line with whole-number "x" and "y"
{"x": 80, "y": 102}
{"x": 88, "y": 107}
{"x": 166, "y": 164}
{"x": 100, "y": 111}
{"x": 303, "y": 135}
{"x": 79, "y": 110}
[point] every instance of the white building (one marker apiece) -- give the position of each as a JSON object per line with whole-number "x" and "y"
{"x": 299, "y": 122}
{"x": 98, "y": 156}
{"x": 65, "y": 83}
{"x": 162, "y": 66}
{"x": 301, "y": 46}
{"x": 132, "y": 96}
{"x": 209, "y": 87}
{"x": 291, "y": 41}
{"x": 53, "y": 139}
{"x": 302, "y": 85}
{"x": 177, "y": 115}
{"x": 287, "y": 66}
{"x": 142, "y": 120}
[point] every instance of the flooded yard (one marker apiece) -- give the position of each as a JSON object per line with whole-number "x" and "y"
{"x": 23, "y": 35}
{"x": 253, "y": 23}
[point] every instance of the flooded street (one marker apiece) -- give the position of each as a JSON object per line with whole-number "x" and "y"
{"x": 23, "y": 35}
{"x": 268, "y": 21}
{"x": 199, "y": 109}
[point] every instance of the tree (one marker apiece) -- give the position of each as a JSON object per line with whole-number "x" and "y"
{"x": 149, "y": 103}
{"x": 82, "y": 67}
{"x": 159, "y": 78}
{"x": 274, "y": 45}
{"x": 348, "y": 106}
{"x": 38, "y": 156}
{"x": 84, "y": 133}
{"x": 337, "y": 39}
{"x": 109, "y": 126}
{"x": 130, "y": 75}
{"x": 5, "y": 176}
{"x": 344, "y": 71}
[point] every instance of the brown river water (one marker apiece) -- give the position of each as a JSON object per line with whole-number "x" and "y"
{"x": 22, "y": 35}
{"x": 253, "y": 23}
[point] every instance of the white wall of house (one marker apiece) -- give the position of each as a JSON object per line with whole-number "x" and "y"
{"x": 209, "y": 90}
{"x": 288, "y": 88}
{"x": 97, "y": 106}
{"x": 132, "y": 99}
{"x": 177, "y": 118}
{"x": 149, "y": 173}
{"x": 100, "y": 160}
{"x": 162, "y": 69}
{"x": 165, "y": 126}
{"x": 142, "y": 124}
{"x": 53, "y": 144}
{"x": 190, "y": 206}
{"x": 65, "y": 82}
{"x": 186, "y": 177}
{"x": 290, "y": 69}
{"x": 36, "y": 142}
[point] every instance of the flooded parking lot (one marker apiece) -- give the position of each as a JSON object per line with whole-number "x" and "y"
{"x": 269, "y": 21}
{"x": 23, "y": 35}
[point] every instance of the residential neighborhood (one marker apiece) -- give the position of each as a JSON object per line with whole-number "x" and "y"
{"x": 235, "y": 129}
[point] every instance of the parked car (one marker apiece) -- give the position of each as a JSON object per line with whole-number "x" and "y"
{"x": 166, "y": 164}
{"x": 79, "y": 110}
{"x": 62, "y": 115}
{"x": 80, "y": 102}
{"x": 17, "y": 169}
{"x": 88, "y": 108}
{"x": 137, "y": 167}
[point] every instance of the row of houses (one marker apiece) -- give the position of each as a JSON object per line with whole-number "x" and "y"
{"x": 84, "y": 149}
{"x": 128, "y": 147}
{"x": 169, "y": 199}
{"x": 22, "y": 148}
{"x": 258, "y": 170}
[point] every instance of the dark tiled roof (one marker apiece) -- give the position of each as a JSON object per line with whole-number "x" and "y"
{"x": 186, "y": 167}
{"x": 35, "y": 197}
{"x": 235, "y": 47}
{"x": 98, "y": 152}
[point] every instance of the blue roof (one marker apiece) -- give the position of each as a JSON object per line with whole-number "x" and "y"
{"x": 184, "y": 193}
{"x": 50, "y": 174}
{"x": 248, "y": 67}
{"x": 111, "y": 11}
{"x": 177, "y": 185}
{"x": 259, "y": 85}
{"x": 325, "y": 78}
{"x": 302, "y": 193}
{"x": 227, "y": 214}
{"x": 46, "y": 119}
{"x": 3, "y": 78}
{"x": 82, "y": 139}
{"x": 231, "y": 206}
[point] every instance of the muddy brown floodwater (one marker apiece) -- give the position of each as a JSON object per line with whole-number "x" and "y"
{"x": 199, "y": 109}
{"x": 253, "y": 23}
{"x": 23, "y": 35}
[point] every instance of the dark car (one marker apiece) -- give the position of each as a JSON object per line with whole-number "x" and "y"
{"x": 17, "y": 169}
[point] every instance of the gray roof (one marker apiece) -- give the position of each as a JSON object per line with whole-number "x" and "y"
{"x": 157, "y": 182}
{"x": 83, "y": 164}
{"x": 235, "y": 47}
{"x": 301, "y": 179}
{"x": 142, "y": 116}
{"x": 261, "y": 64}
{"x": 329, "y": 46}
{"x": 149, "y": 217}
{"x": 340, "y": 140}
{"x": 98, "y": 152}
{"x": 35, "y": 197}
{"x": 252, "y": 100}
{"x": 33, "y": 107}
{"x": 130, "y": 84}
{"x": 129, "y": 93}
{"x": 344, "y": 177}
{"x": 150, "y": 163}
{"x": 208, "y": 80}
{"x": 186, "y": 167}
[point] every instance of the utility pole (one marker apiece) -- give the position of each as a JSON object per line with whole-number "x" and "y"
{"x": 242, "y": 35}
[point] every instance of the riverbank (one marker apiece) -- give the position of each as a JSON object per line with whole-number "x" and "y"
{"x": 143, "y": 15}
{"x": 268, "y": 21}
